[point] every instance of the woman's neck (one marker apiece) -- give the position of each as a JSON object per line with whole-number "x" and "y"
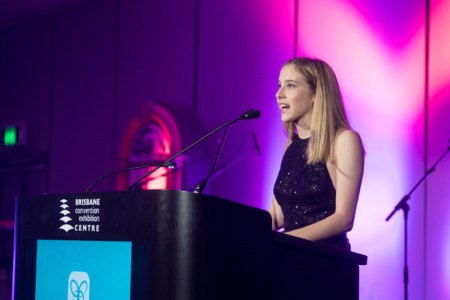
{"x": 303, "y": 129}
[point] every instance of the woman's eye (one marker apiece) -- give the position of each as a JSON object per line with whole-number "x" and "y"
{"x": 290, "y": 85}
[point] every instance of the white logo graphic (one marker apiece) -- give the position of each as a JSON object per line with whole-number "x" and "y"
{"x": 79, "y": 285}
{"x": 66, "y": 219}
{"x": 66, "y": 227}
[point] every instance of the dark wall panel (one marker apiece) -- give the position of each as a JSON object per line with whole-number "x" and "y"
{"x": 25, "y": 74}
{"x": 156, "y": 56}
{"x": 81, "y": 149}
{"x": 25, "y": 96}
{"x": 156, "y": 45}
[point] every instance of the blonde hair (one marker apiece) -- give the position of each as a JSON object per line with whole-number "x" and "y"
{"x": 328, "y": 114}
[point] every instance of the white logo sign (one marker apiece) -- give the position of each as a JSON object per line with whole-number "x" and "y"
{"x": 84, "y": 215}
{"x": 79, "y": 285}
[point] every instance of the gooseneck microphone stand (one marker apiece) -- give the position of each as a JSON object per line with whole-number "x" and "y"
{"x": 405, "y": 207}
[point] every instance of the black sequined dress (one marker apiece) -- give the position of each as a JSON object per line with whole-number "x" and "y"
{"x": 305, "y": 192}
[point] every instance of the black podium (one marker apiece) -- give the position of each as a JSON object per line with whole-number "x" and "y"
{"x": 167, "y": 245}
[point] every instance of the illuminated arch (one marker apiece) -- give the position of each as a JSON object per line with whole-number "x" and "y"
{"x": 152, "y": 136}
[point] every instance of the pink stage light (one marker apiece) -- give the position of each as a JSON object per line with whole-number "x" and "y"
{"x": 438, "y": 225}
{"x": 440, "y": 47}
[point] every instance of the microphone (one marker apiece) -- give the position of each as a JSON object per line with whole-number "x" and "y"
{"x": 249, "y": 114}
{"x": 169, "y": 165}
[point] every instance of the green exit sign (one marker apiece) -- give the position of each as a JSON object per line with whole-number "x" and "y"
{"x": 13, "y": 134}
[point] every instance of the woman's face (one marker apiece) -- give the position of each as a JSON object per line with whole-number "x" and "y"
{"x": 294, "y": 96}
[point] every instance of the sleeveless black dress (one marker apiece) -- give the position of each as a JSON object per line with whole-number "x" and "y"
{"x": 305, "y": 192}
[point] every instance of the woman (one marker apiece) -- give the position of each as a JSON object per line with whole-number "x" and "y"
{"x": 317, "y": 188}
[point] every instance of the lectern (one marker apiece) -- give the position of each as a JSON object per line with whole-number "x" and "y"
{"x": 163, "y": 244}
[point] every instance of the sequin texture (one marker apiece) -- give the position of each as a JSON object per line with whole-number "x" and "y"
{"x": 305, "y": 192}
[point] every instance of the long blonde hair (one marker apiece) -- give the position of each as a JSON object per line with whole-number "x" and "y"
{"x": 328, "y": 114}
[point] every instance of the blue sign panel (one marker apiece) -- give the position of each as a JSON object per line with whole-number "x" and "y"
{"x": 83, "y": 270}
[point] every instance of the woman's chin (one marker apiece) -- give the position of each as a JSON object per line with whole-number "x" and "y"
{"x": 287, "y": 119}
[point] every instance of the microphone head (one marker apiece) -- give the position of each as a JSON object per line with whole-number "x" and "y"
{"x": 169, "y": 164}
{"x": 251, "y": 114}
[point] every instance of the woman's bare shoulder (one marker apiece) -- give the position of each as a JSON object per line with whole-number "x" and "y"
{"x": 348, "y": 142}
{"x": 347, "y": 136}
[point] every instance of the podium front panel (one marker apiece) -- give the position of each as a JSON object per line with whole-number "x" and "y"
{"x": 150, "y": 244}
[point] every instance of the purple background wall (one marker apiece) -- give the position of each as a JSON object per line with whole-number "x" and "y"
{"x": 76, "y": 77}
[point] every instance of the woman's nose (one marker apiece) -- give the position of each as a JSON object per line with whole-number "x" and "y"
{"x": 279, "y": 93}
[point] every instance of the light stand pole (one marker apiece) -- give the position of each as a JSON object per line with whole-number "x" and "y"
{"x": 405, "y": 207}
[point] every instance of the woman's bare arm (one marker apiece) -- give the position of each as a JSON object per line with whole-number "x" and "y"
{"x": 277, "y": 215}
